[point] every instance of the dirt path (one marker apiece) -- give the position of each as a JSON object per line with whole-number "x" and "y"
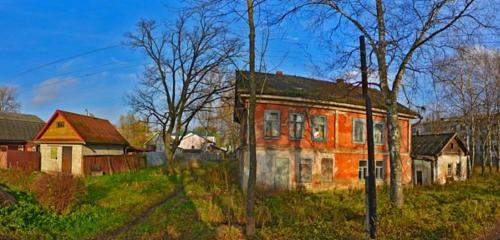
{"x": 492, "y": 234}
{"x": 138, "y": 219}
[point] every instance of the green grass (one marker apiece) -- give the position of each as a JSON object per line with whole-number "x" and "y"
{"x": 460, "y": 210}
{"x": 109, "y": 202}
{"x": 212, "y": 201}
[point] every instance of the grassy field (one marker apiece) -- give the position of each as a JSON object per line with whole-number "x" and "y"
{"x": 212, "y": 207}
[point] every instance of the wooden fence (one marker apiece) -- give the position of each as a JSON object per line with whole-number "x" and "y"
{"x": 109, "y": 164}
{"x": 20, "y": 160}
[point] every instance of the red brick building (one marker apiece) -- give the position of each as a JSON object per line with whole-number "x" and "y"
{"x": 312, "y": 133}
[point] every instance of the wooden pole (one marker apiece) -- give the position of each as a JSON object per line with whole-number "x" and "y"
{"x": 370, "y": 188}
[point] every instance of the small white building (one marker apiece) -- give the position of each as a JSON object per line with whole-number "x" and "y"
{"x": 190, "y": 141}
{"x": 438, "y": 158}
{"x": 67, "y": 137}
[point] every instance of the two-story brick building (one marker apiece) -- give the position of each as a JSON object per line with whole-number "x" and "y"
{"x": 312, "y": 133}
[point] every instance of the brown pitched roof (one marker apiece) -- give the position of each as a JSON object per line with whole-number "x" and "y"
{"x": 301, "y": 87}
{"x": 433, "y": 144}
{"x": 17, "y": 127}
{"x": 90, "y": 129}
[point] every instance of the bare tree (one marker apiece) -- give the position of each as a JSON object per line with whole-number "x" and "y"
{"x": 468, "y": 84}
{"x": 396, "y": 31}
{"x": 8, "y": 99}
{"x": 185, "y": 73}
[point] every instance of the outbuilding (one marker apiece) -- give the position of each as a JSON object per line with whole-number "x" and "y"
{"x": 438, "y": 158}
{"x": 67, "y": 137}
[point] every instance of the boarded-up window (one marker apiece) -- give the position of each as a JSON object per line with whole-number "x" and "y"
{"x": 358, "y": 130}
{"x": 271, "y": 124}
{"x": 319, "y": 128}
{"x": 60, "y": 124}
{"x": 296, "y": 126}
{"x": 53, "y": 153}
{"x": 326, "y": 170}
{"x": 378, "y": 133}
{"x": 305, "y": 170}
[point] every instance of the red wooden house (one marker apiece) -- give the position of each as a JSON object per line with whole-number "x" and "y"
{"x": 312, "y": 133}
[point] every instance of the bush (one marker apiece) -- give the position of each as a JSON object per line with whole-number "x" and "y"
{"x": 58, "y": 192}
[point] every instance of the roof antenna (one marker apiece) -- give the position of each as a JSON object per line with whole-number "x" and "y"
{"x": 87, "y": 112}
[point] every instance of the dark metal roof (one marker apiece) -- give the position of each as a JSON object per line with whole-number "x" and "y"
{"x": 433, "y": 144}
{"x": 17, "y": 127}
{"x": 307, "y": 88}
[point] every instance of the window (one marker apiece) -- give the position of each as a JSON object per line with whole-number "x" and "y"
{"x": 296, "y": 126}
{"x": 53, "y": 153}
{"x": 363, "y": 169}
{"x": 305, "y": 170}
{"x": 378, "y": 133}
{"x": 318, "y": 128}
{"x": 272, "y": 124}
{"x": 326, "y": 170}
{"x": 451, "y": 146}
{"x": 358, "y": 130}
{"x": 459, "y": 169}
{"x": 450, "y": 169}
{"x": 379, "y": 169}
{"x": 60, "y": 124}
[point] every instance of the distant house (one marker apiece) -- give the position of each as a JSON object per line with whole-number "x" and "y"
{"x": 67, "y": 137}
{"x": 191, "y": 141}
{"x": 18, "y": 130}
{"x": 312, "y": 133}
{"x": 438, "y": 158}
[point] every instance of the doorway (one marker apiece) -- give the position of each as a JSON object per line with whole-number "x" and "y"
{"x": 67, "y": 158}
{"x": 419, "y": 178}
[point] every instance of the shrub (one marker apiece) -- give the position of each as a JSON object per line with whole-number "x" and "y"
{"x": 57, "y": 192}
{"x": 225, "y": 232}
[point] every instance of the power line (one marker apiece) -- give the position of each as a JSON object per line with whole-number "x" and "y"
{"x": 65, "y": 59}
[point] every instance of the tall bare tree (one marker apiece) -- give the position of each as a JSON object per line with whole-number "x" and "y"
{"x": 396, "y": 31}
{"x": 8, "y": 99}
{"x": 185, "y": 73}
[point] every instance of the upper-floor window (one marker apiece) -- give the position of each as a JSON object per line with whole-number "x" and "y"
{"x": 271, "y": 124}
{"x": 358, "y": 130}
{"x": 318, "y": 128}
{"x": 378, "y": 133}
{"x": 60, "y": 124}
{"x": 296, "y": 126}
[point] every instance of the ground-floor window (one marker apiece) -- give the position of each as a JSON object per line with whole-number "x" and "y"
{"x": 363, "y": 169}
{"x": 305, "y": 170}
{"x": 450, "y": 169}
{"x": 459, "y": 169}
{"x": 326, "y": 170}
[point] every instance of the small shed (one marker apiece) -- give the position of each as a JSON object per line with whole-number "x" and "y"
{"x": 68, "y": 137}
{"x": 438, "y": 158}
{"x": 18, "y": 130}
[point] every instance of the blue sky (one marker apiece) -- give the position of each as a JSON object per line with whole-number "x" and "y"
{"x": 34, "y": 33}
{"x": 39, "y": 32}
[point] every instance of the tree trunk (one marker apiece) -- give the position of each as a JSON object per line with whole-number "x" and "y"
{"x": 250, "y": 212}
{"x": 396, "y": 192}
{"x": 167, "y": 142}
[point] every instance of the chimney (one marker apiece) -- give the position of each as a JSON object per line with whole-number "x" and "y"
{"x": 340, "y": 81}
{"x": 279, "y": 73}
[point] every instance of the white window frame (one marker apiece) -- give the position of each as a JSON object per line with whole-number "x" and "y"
{"x": 354, "y": 140}
{"x": 292, "y": 123}
{"x": 266, "y": 112}
{"x": 383, "y": 133}
{"x": 325, "y": 128}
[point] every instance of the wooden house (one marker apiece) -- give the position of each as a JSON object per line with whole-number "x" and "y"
{"x": 438, "y": 158}
{"x": 67, "y": 137}
{"x": 312, "y": 133}
{"x": 18, "y": 130}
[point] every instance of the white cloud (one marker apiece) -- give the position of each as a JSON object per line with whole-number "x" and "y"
{"x": 50, "y": 89}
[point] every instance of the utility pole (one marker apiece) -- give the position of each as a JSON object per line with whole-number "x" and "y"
{"x": 370, "y": 188}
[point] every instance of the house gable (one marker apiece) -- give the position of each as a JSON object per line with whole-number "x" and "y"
{"x": 58, "y": 129}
